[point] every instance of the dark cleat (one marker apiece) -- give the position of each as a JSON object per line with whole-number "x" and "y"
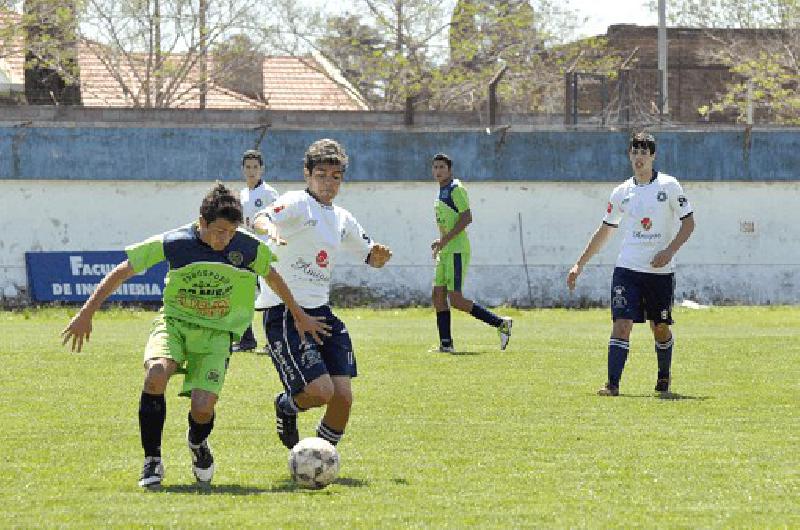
{"x": 152, "y": 473}
{"x": 286, "y": 426}
{"x": 662, "y": 385}
{"x": 608, "y": 390}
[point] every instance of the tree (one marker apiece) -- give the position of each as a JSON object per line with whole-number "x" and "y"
{"x": 759, "y": 40}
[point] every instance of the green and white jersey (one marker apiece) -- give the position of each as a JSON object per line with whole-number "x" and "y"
{"x": 210, "y": 288}
{"x": 450, "y": 203}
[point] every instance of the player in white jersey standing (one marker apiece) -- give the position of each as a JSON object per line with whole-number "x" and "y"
{"x": 311, "y": 231}
{"x": 650, "y": 205}
{"x": 255, "y": 196}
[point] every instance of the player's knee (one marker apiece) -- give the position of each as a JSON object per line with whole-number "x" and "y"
{"x": 320, "y": 390}
{"x": 458, "y": 301}
{"x": 662, "y": 332}
{"x": 202, "y": 407}
{"x": 156, "y": 376}
{"x": 343, "y": 397}
{"x": 622, "y": 329}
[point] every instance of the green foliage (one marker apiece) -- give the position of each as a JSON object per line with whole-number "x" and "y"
{"x": 482, "y": 438}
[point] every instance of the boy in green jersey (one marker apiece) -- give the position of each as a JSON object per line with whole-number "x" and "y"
{"x": 208, "y": 303}
{"x": 451, "y": 252}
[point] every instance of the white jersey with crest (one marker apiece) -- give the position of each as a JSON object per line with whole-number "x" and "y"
{"x": 649, "y": 214}
{"x": 255, "y": 200}
{"x": 315, "y": 234}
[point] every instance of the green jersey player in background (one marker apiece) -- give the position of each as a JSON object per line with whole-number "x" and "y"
{"x": 208, "y": 302}
{"x": 452, "y": 253}
{"x": 255, "y": 196}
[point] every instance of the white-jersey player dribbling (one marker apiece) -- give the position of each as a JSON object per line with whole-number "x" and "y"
{"x": 310, "y": 233}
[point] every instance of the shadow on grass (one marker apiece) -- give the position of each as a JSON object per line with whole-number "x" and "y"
{"x": 666, "y": 396}
{"x": 457, "y": 353}
{"x": 285, "y": 486}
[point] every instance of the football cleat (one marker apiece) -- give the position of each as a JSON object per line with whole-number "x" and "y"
{"x": 442, "y": 349}
{"x": 152, "y": 473}
{"x": 243, "y": 346}
{"x": 202, "y": 460}
{"x": 662, "y": 385}
{"x": 286, "y": 426}
{"x": 608, "y": 390}
{"x": 504, "y": 332}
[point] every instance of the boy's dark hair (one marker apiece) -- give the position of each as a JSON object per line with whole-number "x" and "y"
{"x": 443, "y": 157}
{"x": 643, "y": 139}
{"x": 253, "y": 154}
{"x": 221, "y": 203}
{"x": 325, "y": 151}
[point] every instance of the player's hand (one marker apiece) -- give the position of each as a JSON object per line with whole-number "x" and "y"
{"x": 662, "y": 258}
{"x": 314, "y": 326}
{"x": 78, "y": 329}
{"x": 436, "y": 246}
{"x": 379, "y": 255}
{"x": 572, "y": 276}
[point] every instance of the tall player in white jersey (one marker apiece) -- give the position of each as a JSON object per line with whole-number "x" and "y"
{"x": 650, "y": 205}
{"x": 311, "y": 231}
{"x": 255, "y": 196}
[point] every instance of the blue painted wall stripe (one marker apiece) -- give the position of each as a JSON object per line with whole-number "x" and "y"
{"x": 85, "y": 153}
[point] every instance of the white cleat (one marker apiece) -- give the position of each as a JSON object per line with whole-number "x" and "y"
{"x": 202, "y": 461}
{"x": 504, "y": 332}
{"x": 152, "y": 473}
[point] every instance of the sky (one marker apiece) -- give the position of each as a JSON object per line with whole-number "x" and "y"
{"x": 600, "y": 13}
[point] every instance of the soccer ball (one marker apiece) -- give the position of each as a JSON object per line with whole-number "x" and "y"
{"x": 313, "y": 463}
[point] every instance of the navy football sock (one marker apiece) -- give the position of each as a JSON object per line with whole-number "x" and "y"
{"x": 443, "y": 324}
{"x": 329, "y": 433}
{"x": 617, "y": 355}
{"x": 484, "y": 315}
{"x": 152, "y": 413}
{"x": 198, "y": 432}
{"x": 664, "y": 355}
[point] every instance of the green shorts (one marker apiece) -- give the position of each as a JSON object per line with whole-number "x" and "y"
{"x": 451, "y": 270}
{"x": 201, "y": 353}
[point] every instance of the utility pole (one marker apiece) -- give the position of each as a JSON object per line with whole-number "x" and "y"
{"x": 203, "y": 8}
{"x": 663, "y": 99}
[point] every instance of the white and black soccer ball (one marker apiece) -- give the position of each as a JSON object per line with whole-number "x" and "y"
{"x": 313, "y": 463}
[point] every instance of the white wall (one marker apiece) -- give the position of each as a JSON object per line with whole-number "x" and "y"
{"x": 721, "y": 262}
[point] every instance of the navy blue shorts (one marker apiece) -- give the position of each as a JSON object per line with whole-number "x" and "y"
{"x": 641, "y": 296}
{"x": 299, "y": 364}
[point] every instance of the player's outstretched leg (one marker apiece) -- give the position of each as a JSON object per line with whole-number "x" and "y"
{"x": 286, "y": 410}
{"x": 503, "y": 324}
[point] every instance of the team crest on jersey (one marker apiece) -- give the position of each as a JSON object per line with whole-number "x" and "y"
{"x": 259, "y": 203}
{"x": 647, "y": 223}
{"x": 235, "y": 257}
{"x": 619, "y": 301}
{"x": 322, "y": 259}
{"x": 662, "y": 196}
{"x": 277, "y": 209}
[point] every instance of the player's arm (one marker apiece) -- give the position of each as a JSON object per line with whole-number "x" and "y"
{"x": 666, "y": 255}
{"x": 597, "y": 241}
{"x": 314, "y": 326}
{"x": 80, "y": 327}
{"x": 263, "y": 226}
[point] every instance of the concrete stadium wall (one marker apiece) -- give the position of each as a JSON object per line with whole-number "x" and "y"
{"x": 724, "y": 262}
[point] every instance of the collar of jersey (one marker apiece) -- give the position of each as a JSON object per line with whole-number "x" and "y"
{"x": 325, "y": 206}
{"x": 652, "y": 179}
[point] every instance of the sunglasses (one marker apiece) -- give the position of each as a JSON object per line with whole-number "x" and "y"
{"x": 641, "y": 148}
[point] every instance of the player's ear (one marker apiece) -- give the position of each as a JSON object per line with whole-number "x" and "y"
{"x": 202, "y": 222}
{"x": 306, "y": 173}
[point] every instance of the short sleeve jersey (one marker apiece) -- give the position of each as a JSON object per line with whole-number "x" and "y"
{"x": 649, "y": 214}
{"x": 452, "y": 202}
{"x": 256, "y": 200}
{"x": 210, "y": 288}
{"x": 315, "y": 235}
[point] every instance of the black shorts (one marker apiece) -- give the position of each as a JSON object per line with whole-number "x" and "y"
{"x": 641, "y": 296}
{"x": 299, "y": 364}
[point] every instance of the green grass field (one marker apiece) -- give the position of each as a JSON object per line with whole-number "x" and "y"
{"x": 482, "y": 438}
